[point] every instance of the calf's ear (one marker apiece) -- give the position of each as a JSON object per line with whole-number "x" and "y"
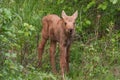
{"x": 75, "y": 15}
{"x": 63, "y": 14}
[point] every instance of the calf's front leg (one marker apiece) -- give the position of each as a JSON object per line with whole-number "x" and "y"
{"x": 62, "y": 59}
{"x": 67, "y": 58}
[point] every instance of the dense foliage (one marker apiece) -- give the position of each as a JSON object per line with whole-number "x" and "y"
{"x": 95, "y": 53}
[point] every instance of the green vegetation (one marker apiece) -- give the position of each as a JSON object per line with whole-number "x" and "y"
{"x": 95, "y": 53}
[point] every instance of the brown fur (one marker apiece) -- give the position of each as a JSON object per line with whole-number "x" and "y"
{"x": 59, "y": 30}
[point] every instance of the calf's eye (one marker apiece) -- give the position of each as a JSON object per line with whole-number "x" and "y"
{"x": 74, "y": 23}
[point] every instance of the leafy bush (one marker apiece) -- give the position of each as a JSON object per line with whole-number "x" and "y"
{"x": 12, "y": 70}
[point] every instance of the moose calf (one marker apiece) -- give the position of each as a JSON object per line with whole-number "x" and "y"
{"x": 59, "y": 30}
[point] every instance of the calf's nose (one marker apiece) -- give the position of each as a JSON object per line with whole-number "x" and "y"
{"x": 70, "y": 30}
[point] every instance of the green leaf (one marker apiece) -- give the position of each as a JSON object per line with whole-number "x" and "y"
{"x": 26, "y": 34}
{"x": 103, "y": 6}
{"x": 20, "y": 32}
{"x": 60, "y": 1}
{"x": 1, "y": 74}
{"x": 13, "y": 55}
{"x": 88, "y": 22}
{"x": 25, "y": 24}
{"x": 31, "y": 27}
{"x": 7, "y": 54}
{"x": 90, "y": 5}
{"x": 8, "y": 13}
{"x": 114, "y": 1}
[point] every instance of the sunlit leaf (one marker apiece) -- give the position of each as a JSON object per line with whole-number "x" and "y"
{"x": 92, "y": 3}
{"x": 88, "y": 22}
{"x": 20, "y": 32}
{"x": 103, "y": 6}
{"x": 114, "y": 1}
{"x": 8, "y": 13}
{"x": 1, "y": 74}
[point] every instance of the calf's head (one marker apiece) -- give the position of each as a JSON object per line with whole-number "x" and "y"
{"x": 69, "y": 22}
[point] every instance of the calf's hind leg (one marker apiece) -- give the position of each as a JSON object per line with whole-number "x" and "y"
{"x": 41, "y": 50}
